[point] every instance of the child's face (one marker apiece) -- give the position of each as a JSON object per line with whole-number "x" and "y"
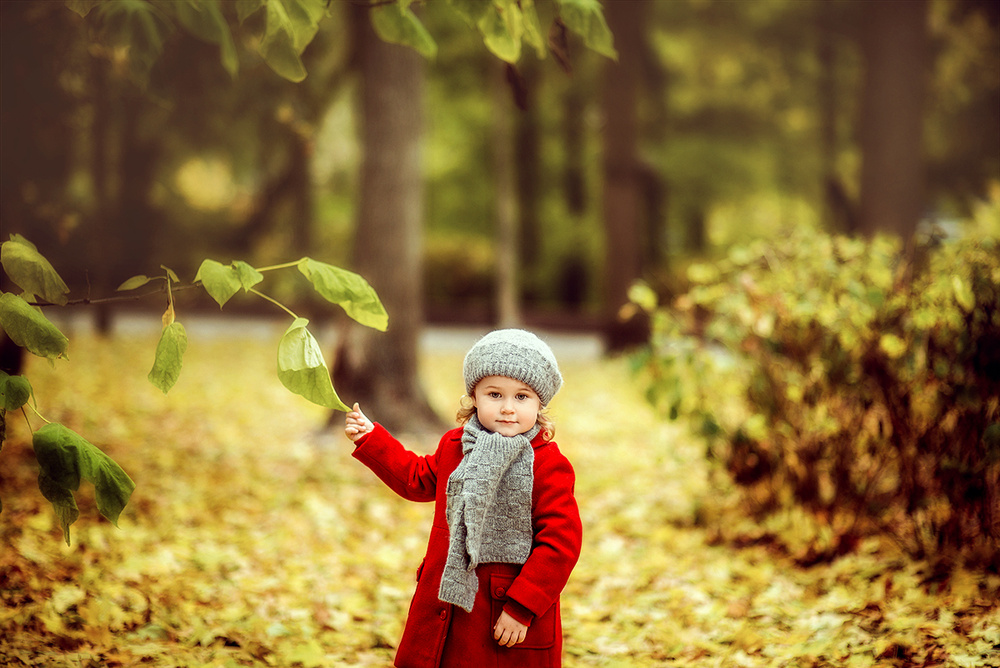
{"x": 506, "y": 406}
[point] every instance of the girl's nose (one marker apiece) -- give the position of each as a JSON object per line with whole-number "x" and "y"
{"x": 508, "y": 407}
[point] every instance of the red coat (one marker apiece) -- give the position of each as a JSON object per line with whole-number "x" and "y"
{"x": 440, "y": 634}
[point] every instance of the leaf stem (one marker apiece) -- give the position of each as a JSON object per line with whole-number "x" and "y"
{"x": 87, "y": 301}
{"x": 273, "y": 301}
{"x": 285, "y": 265}
{"x": 35, "y": 411}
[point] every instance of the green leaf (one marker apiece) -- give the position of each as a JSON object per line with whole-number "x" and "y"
{"x": 30, "y": 271}
{"x": 247, "y": 275}
{"x": 134, "y": 282}
{"x": 302, "y": 370}
{"x": 220, "y": 281}
{"x": 290, "y": 26}
{"x": 348, "y": 289}
{"x": 66, "y": 458}
{"x": 171, "y": 274}
{"x": 533, "y": 33}
{"x": 205, "y": 21}
{"x": 28, "y": 328}
{"x": 502, "y": 30}
{"x": 14, "y": 391}
{"x": 169, "y": 357}
{"x": 399, "y": 25}
{"x": 586, "y": 18}
{"x": 62, "y": 502}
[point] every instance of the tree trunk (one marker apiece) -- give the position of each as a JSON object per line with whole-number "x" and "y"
{"x": 505, "y": 193}
{"x": 527, "y": 166}
{"x": 379, "y": 370}
{"x": 623, "y": 188}
{"x": 892, "y": 173}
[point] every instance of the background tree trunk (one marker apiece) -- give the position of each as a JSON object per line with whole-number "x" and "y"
{"x": 506, "y": 202}
{"x": 892, "y": 173}
{"x": 623, "y": 187}
{"x": 379, "y": 370}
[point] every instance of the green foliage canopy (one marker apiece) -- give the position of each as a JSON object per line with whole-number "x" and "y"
{"x": 289, "y": 26}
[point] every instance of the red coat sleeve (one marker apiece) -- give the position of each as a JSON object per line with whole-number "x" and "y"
{"x": 558, "y": 534}
{"x": 412, "y": 476}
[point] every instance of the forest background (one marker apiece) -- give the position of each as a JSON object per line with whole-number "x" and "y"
{"x": 499, "y": 173}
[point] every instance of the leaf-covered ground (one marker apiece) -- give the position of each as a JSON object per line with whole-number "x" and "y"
{"x": 254, "y": 539}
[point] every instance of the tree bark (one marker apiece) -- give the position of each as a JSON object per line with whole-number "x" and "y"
{"x": 380, "y": 370}
{"x": 892, "y": 173}
{"x": 623, "y": 188}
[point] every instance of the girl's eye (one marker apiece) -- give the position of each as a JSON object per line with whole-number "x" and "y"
{"x": 522, "y": 397}
{"x": 494, "y": 395}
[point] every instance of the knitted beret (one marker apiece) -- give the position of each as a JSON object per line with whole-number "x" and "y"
{"x": 516, "y": 354}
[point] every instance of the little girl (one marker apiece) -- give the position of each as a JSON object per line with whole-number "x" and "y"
{"x": 506, "y": 530}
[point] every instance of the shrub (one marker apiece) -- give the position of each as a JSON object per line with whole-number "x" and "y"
{"x": 848, "y": 377}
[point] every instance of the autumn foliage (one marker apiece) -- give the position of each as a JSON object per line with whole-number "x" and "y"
{"x": 254, "y": 539}
{"x": 869, "y": 384}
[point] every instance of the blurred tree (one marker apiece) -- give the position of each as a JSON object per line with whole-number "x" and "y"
{"x": 622, "y": 174}
{"x": 893, "y": 193}
{"x": 380, "y": 371}
{"x": 509, "y": 206}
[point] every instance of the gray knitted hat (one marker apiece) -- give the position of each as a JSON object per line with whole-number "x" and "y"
{"x": 516, "y": 354}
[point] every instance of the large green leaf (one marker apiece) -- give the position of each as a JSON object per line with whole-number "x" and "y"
{"x": 348, "y": 289}
{"x": 28, "y": 328}
{"x": 586, "y": 18}
{"x": 397, "y": 24}
{"x": 169, "y": 357}
{"x": 222, "y": 282}
{"x": 14, "y": 391}
{"x": 65, "y": 458}
{"x": 30, "y": 271}
{"x": 302, "y": 370}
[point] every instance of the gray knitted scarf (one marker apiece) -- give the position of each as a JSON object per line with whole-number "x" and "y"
{"x": 489, "y": 508}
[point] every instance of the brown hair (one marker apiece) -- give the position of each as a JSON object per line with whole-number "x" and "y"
{"x": 467, "y": 409}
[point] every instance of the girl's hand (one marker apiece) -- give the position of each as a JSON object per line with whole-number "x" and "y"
{"x": 356, "y": 424}
{"x": 508, "y": 631}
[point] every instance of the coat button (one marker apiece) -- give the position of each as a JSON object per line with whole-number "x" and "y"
{"x": 443, "y": 614}
{"x": 500, "y": 591}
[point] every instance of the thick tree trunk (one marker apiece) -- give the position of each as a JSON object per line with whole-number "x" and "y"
{"x": 379, "y": 370}
{"x": 892, "y": 174}
{"x": 623, "y": 188}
